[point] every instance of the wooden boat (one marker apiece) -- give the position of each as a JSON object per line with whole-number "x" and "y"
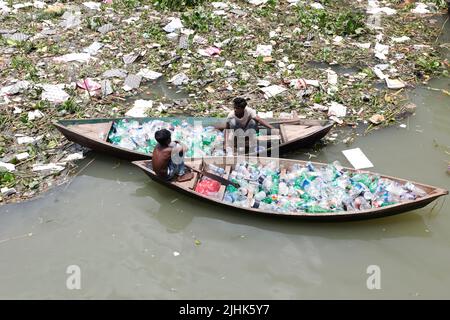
{"x": 227, "y": 163}
{"x": 93, "y": 133}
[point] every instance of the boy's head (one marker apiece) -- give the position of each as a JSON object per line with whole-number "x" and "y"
{"x": 163, "y": 137}
{"x": 239, "y": 106}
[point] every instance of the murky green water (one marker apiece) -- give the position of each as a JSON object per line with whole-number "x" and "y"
{"x": 122, "y": 230}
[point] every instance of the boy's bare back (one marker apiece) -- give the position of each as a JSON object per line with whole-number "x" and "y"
{"x": 160, "y": 159}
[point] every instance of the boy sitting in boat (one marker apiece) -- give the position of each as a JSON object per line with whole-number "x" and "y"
{"x": 243, "y": 117}
{"x": 168, "y": 159}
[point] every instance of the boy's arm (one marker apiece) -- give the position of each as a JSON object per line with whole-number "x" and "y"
{"x": 181, "y": 147}
{"x": 264, "y": 122}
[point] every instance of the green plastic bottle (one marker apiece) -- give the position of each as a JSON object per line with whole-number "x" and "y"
{"x": 317, "y": 209}
{"x": 363, "y": 178}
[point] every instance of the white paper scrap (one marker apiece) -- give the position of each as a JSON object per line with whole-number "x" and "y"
{"x": 357, "y": 158}
{"x": 140, "y": 108}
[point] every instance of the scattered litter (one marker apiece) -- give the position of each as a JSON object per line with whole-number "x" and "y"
{"x": 263, "y": 83}
{"x": 18, "y": 37}
{"x": 93, "y": 48}
{"x": 183, "y": 42}
{"x": 17, "y": 110}
{"x": 257, "y": 2}
{"x": 421, "y": 8}
{"x": 394, "y": 83}
{"x": 219, "y": 5}
{"x": 22, "y": 156}
{"x": 16, "y": 88}
{"x": 89, "y": 84}
{"x": 106, "y": 28}
{"x": 172, "y": 36}
{"x": 332, "y": 77}
{"x": 92, "y": 5}
{"x": 362, "y": 45}
{"x": 27, "y": 140}
{"x": 35, "y": 114}
{"x": 410, "y": 107}
{"x": 176, "y": 253}
{"x": 79, "y": 57}
{"x": 337, "y": 109}
{"x": 209, "y": 52}
{"x": 115, "y": 73}
{"x": 337, "y": 39}
{"x": 336, "y": 119}
{"x": 56, "y": 167}
{"x": 317, "y": 6}
{"x": 199, "y": 40}
{"x": 379, "y": 73}
{"x": 73, "y": 157}
{"x": 140, "y": 108}
{"x": 263, "y": 50}
{"x": 401, "y": 39}
{"x": 179, "y": 79}
{"x": 265, "y": 115}
{"x": 7, "y": 166}
{"x": 132, "y": 81}
{"x": 374, "y": 9}
{"x": 376, "y": 118}
{"x": 70, "y": 20}
{"x": 7, "y": 191}
{"x": 4, "y": 9}
{"x": 382, "y": 67}
{"x": 319, "y": 107}
{"x": 357, "y": 158}
{"x": 381, "y": 51}
{"x": 106, "y": 87}
{"x": 130, "y": 58}
{"x": 272, "y": 91}
{"x": 219, "y": 12}
{"x": 54, "y": 93}
{"x": 174, "y": 25}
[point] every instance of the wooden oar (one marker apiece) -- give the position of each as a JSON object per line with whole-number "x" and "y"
{"x": 216, "y": 177}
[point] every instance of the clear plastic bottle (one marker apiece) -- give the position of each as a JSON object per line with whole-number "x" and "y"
{"x": 260, "y": 195}
{"x": 416, "y": 191}
{"x": 216, "y": 169}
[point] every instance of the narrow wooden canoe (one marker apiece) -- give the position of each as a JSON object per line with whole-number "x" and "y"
{"x": 228, "y": 164}
{"x": 93, "y": 133}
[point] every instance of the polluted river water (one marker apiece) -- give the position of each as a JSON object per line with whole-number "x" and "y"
{"x": 135, "y": 239}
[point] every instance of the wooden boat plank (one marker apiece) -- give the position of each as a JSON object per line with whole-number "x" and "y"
{"x": 292, "y": 132}
{"x": 97, "y": 131}
{"x": 190, "y": 184}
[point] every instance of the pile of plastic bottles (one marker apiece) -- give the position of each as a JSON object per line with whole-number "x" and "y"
{"x": 136, "y": 136}
{"x": 314, "y": 190}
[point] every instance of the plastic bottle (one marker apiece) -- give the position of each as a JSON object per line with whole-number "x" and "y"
{"x": 283, "y": 189}
{"x": 216, "y": 169}
{"x": 316, "y": 209}
{"x": 414, "y": 189}
{"x": 260, "y": 195}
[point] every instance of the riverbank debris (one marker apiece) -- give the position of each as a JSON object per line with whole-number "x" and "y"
{"x": 94, "y": 59}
